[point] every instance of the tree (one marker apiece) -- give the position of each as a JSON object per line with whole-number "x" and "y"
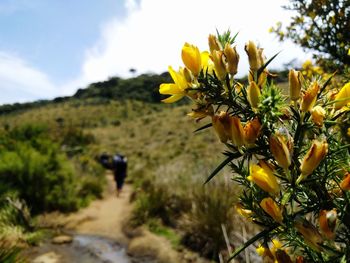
{"x": 322, "y": 26}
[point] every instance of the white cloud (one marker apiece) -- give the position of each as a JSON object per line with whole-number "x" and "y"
{"x": 20, "y": 82}
{"x": 151, "y": 36}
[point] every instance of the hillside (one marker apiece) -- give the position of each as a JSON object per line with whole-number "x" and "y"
{"x": 141, "y": 88}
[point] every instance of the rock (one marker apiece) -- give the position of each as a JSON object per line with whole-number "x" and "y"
{"x": 63, "y": 239}
{"x": 50, "y": 257}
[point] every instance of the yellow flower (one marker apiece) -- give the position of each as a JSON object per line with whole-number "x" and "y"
{"x": 253, "y": 55}
{"x": 252, "y": 131}
{"x": 310, "y": 96}
{"x": 328, "y": 221}
{"x": 220, "y": 70}
{"x": 294, "y": 84}
{"x": 201, "y": 112}
{"x": 243, "y": 212}
{"x": 176, "y": 89}
{"x": 345, "y": 184}
{"x": 262, "y": 175}
{"x": 214, "y": 43}
{"x": 272, "y": 209}
{"x": 310, "y": 233}
{"x": 281, "y": 150}
{"x": 222, "y": 125}
{"x": 318, "y": 114}
{"x": 207, "y": 63}
{"x": 237, "y": 132}
{"x": 253, "y": 93}
{"x": 232, "y": 59}
{"x": 343, "y": 96}
{"x": 265, "y": 253}
{"x": 313, "y": 157}
{"x": 191, "y": 57}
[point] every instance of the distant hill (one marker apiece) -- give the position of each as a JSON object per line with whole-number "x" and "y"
{"x": 143, "y": 88}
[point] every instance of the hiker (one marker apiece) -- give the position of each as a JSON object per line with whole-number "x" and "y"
{"x": 119, "y": 164}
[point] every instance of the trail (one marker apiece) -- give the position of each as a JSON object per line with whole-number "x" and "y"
{"x": 106, "y": 219}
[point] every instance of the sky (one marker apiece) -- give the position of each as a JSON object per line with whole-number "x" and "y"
{"x": 50, "y": 48}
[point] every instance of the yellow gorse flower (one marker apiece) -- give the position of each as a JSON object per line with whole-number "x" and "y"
{"x": 176, "y": 89}
{"x": 237, "y": 132}
{"x": 232, "y": 59}
{"x": 272, "y": 209}
{"x": 281, "y": 150}
{"x": 294, "y": 84}
{"x": 191, "y": 57}
{"x": 310, "y": 233}
{"x": 213, "y": 43}
{"x": 313, "y": 157}
{"x": 262, "y": 175}
{"x": 252, "y": 131}
{"x": 222, "y": 126}
{"x": 253, "y": 93}
{"x": 343, "y": 97}
{"x": 243, "y": 212}
{"x": 265, "y": 253}
{"x": 345, "y": 183}
{"x": 219, "y": 66}
{"x": 310, "y": 96}
{"x": 318, "y": 114}
{"x": 328, "y": 221}
{"x": 253, "y": 55}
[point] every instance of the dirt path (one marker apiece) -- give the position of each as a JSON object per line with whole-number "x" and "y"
{"x": 104, "y": 217}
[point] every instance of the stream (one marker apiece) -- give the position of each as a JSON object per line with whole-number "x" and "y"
{"x": 84, "y": 249}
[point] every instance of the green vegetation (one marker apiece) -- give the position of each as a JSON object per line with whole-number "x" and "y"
{"x": 142, "y": 88}
{"x": 321, "y": 26}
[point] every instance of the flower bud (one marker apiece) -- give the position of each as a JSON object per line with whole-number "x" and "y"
{"x": 318, "y": 114}
{"x": 310, "y": 233}
{"x": 243, "y": 212}
{"x": 253, "y": 93}
{"x": 237, "y": 132}
{"x": 281, "y": 150}
{"x": 222, "y": 126}
{"x": 232, "y": 59}
{"x": 310, "y": 97}
{"x": 294, "y": 84}
{"x": 272, "y": 209}
{"x": 220, "y": 70}
{"x": 253, "y": 56}
{"x": 282, "y": 256}
{"x": 343, "y": 96}
{"x": 252, "y": 131}
{"x": 201, "y": 112}
{"x": 313, "y": 157}
{"x": 345, "y": 184}
{"x": 328, "y": 222}
{"x": 262, "y": 175}
{"x": 191, "y": 57}
{"x": 214, "y": 43}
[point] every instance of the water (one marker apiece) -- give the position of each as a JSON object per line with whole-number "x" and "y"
{"x": 85, "y": 249}
{"x": 100, "y": 248}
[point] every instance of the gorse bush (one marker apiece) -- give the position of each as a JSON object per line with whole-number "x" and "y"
{"x": 287, "y": 152}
